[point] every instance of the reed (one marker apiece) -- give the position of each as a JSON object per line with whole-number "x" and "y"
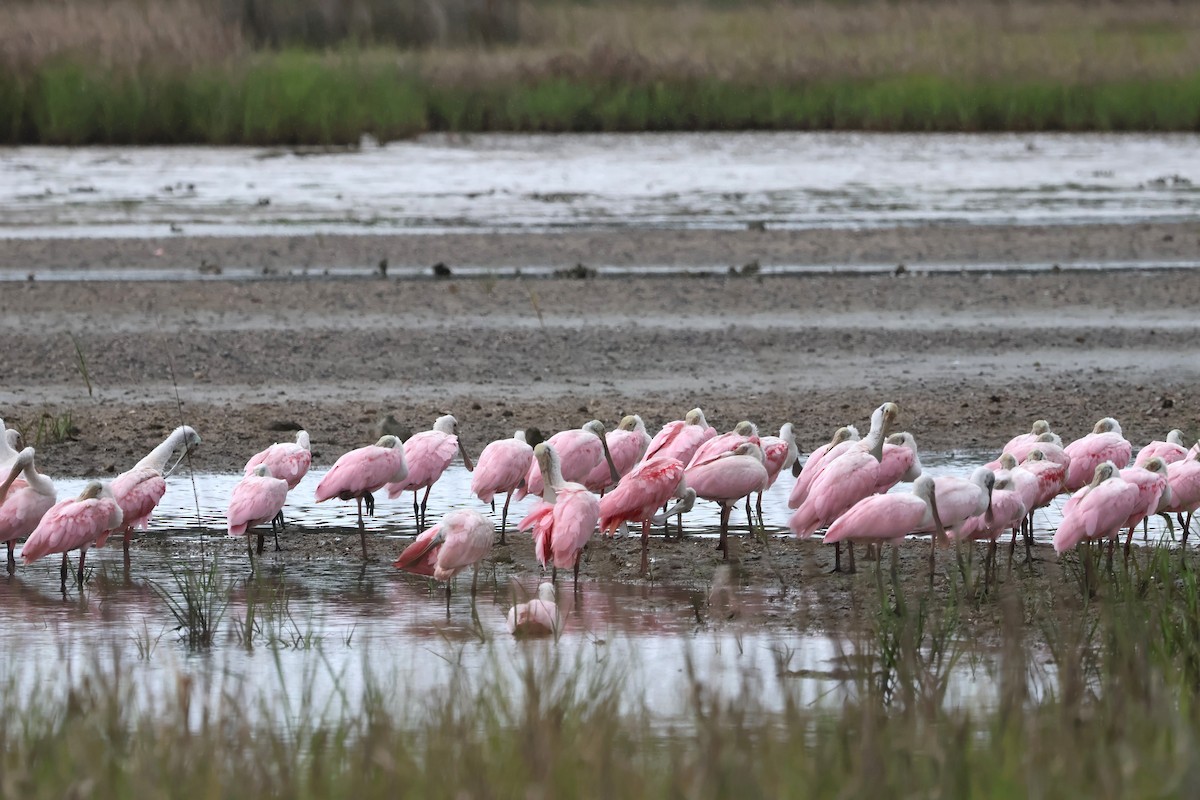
{"x": 167, "y": 71}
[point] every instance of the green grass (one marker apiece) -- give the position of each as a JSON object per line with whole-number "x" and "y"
{"x": 304, "y": 98}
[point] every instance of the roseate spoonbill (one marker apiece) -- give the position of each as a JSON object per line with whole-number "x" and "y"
{"x": 1170, "y": 451}
{"x": 640, "y": 494}
{"x": 853, "y": 469}
{"x": 1051, "y": 452}
{"x": 577, "y": 450}
{"x": 679, "y": 439}
{"x": 1184, "y": 479}
{"x": 428, "y": 454}
{"x": 501, "y": 469}
{"x": 1097, "y": 511}
{"x": 1028, "y": 487}
{"x": 74, "y": 524}
{"x": 1008, "y": 511}
{"x": 779, "y": 453}
{"x": 538, "y": 617}
{"x": 1021, "y": 444}
{"x": 744, "y": 431}
{"x": 257, "y": 498}
{"x": 360, "y": 473}
{"x": 461, "y": 539}
{"x": 139, "y": 490}
{"x": 881, "y": 518}
{"x": 726, "y": 479}
{"x": 10, "y": 446}
{"x": 899, "y": 462}
{"x": 959, "y": 499}
{"x": 26, "y": 504}
{"x": 1154, "y": 493}
{"x": 627, "y": 444}
{"x": 565, "y": 519}
{"x": 288, "y": 461}
{"x": 882, "y": 420}
{"x": 1104, "y": 443}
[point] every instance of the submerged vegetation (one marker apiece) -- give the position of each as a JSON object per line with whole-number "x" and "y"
{"x": 259, "y": 72}
{"x": 1101, "y": 700}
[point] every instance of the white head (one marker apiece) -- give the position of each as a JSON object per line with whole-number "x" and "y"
{"x": 632, "y": 422}
{"x": 749, "y": 449}
{"x": 1156, "y": 465}
{"x": 446, "y": 424}
{"x": 1103, "y": 472}
{"x": 546, "y": 592}
{"x": 1008, "y": 460}
{"x": 389, "y": 441}
{"x": 1175, "y": 437}
{"x": 263, "y": 471}
{"x": 746, "y": 428}
{"x": 303, "y": 441}
{"x": 787, "y": 433}
{"x": 696, "y": 417}
{"x": 595, "y": 427}
{"x": 1040, "y": 427}
{"x": 903, "y": 439}
{"x": 519, "y": 436}
{"x": 1107, "y": 425}
{"x": 844, "y": 434}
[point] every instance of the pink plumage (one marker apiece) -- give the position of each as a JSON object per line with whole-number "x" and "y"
{"x": 680, "y": 439}
{"x": 881, "y": 517}
{"x": 1105, "y": 443}
{"x": 288, "y": 461}
{"x": 626, "y": 449}
{"x": 728, "y": 477}
{"x": 1100, "y": 513}
{"x": 256, "y": 500}
{"x": 1170, "y": 452}
{"x": 537, "y": 617}
{"x": 719, "y": 445}
{"x": 560, "y": 530}
{"x": 899, "y": 462}
{"x": 460, "y": 540}
{"x": 363, "y": 471}
{"x": 427, "y": 454}
{"x": 138, "y": 493}
{"x": 72, "y": 524}
{"x": 1151, "y": 487}
{"x": 21, "y": 512}
{"x": 844, "y": 481}
{"x": 1008, "y": 510}
{"x": 817, "y": 461}
{"x": 959, "y": 499}
{"x": 1184, "y": 479}
{"x": 501, "y": 468}
{"x": 641, "y": 493}
{"x": 579, "y": 452}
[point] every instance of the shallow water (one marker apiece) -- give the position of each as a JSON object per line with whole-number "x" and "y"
{"x": 344, "y": 624}
{"x": 547, "y": 182}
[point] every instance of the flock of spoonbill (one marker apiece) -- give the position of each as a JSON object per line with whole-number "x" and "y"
{"x": 590, "y": 479}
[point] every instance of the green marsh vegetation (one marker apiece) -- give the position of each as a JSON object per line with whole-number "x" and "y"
{"x": 306, "y": 72}
{"x": 1081, "y": 692}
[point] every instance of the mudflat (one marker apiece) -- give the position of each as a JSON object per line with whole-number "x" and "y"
{"x": 972, "y": 357}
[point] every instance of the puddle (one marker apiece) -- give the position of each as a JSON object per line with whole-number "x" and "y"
{"x": 345, "y": 625}
{"x": 542, "y": 183}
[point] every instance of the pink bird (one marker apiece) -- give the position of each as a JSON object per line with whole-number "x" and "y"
{"x": 779, "y": 453}
{"x": 428, "y": 454}
{"x": 681, "y": 438}
{"x": 640, "y": 494}
{"x": 899, "y": 463}
{"x": 1099, "y": 510}
{"x": 258, "y": 498}
{"x": 565, "y": 519}
{"x": 360, "y": 473}
{"x": 1184, "y": 479}
{"x": 882, "y": 518}
{"x": 1020, "y": 445}
{"x": 1030, "y": 487}
{"x": 10, "y": 448}
{"x": 23, "y": 506}
{"x": 578, "y": 451}
{"x": 74, "y": 524}
{"x": 727, "y": 479}
{"x": 1104, "y": 443}
{"x": 959, "y": 499}
{"x": 538, "y": 617}
{"x": 743, "y": 432}
{"x": 462, "y": 539}
{"x": 1154, "y": 493}
{"x": 288, "y": 461}
{"x": 1170, "y": 451}
{"x": 626, "y": 445}
{"x": 139, "y": 490}
{"x": 882, "y": 420}
{"x": 1008, "y": 512}
{"x": 500, "y": 470}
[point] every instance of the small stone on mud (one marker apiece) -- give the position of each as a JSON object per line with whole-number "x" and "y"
{"x": 284, "y": 425}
